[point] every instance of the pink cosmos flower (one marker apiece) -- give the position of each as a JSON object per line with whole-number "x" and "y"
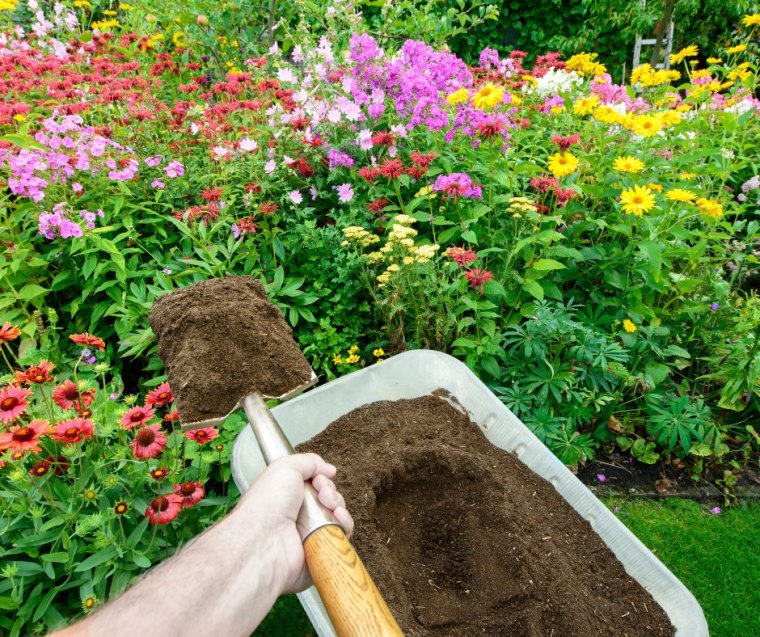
{"x": 137, "y": 416}
{"x": 164, "y": 509}
{"x": 247, "y": 144}
{"x": 157, "y": 184}
{"x": 149, "y": 442}
{"x": 174, "y": 169}
{"x": 13, "y": 402}
{"x": 345, "y": 192}
{"x": 295, "y": 196}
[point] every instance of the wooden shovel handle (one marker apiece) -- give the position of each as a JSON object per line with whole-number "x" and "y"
{"x": 355, "y": 606}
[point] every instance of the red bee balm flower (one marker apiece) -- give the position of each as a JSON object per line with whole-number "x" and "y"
{"x": 164, "y": 509}
{"x": 89, "y": 340}
{"x": 137, "y": 416}
{"x": 9, "y": 333}
{"x": 477, "y": 278}
{"x": 68, "y": 396}
{"x": 190, "y": 492}
{"x": 203, "y": 435}
{"x": 461, "y": 256}
{"x": 161, "y": 395}
{"x": 149, "y": 442}
{"x": 36, "y": 374}
{"x": 13, "y": 402}
{"x": 25, "y": 438}
{"x": 70, "y": 432}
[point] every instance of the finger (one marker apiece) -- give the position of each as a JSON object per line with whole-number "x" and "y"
{"x": 321, "y": 481}
{"x": 345, "y": 520}
{"x": 310, "y": 465}
{"x": 330, "y": 497}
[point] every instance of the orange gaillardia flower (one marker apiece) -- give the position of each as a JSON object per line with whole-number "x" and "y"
{"x": 70, "y": 432}
{"x": 89, "y": 340}
{"x": 13, "y": 402}
{"x": 9, "y": 332}
{"x": 68, "y": 396}
{"x": 149, "y": 442}
{"x": 161, "y": 395}
{"x": 36, "y": 374}
{"x": 203, "y": 435}
{"x": 137, "y": 416}
{"x": 164, "y": 509}
{"x": 26, "y": 438}
{"x": 190, "y": 492}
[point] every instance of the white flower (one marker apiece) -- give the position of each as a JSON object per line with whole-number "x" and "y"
{"x": 270, "y": 166}
{"x": 295, "y": 197}
{"x": 248, "y": 144}
{"x": 286, "y": 75}
{"x": 220, "y": 152}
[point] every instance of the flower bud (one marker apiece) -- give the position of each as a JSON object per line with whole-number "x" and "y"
{"x": 201, "y": 20}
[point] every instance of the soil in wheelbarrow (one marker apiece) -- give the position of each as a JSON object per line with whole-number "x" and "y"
{"x": 221, "y": 340}
{"x": 463, "y": 539}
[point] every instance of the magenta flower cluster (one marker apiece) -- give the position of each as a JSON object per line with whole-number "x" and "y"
{"x": 458, "y": 185}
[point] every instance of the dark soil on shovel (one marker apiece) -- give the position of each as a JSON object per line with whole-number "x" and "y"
{"x": 221, "y": 340}
{"x": 463, "y": 539}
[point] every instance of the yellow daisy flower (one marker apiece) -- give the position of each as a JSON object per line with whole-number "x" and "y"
{"x": 739, "y": 48}
{"x": 562, "y": 164}
{"x": 714, "y": 60}
{"x": 629, "y": 326}
{"x": 462, "y": 95}
{"x": 687, "y": 175}
{"x": 689, "y": 52}
{"x": 680, "y": 194}
{"x": 488, "y": 97}
{"x": 637, "y": 200}
{"x": 646, "y": 125}
{"x": 655, "y": 187}
{"x": 586, "y": 105}
{"x": 628, "y": 165}
{"x": 751, "y": 20}
{"x": 710, "y": 207}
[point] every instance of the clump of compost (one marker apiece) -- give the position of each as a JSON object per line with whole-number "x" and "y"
{"x": 463, "y": 539}
{"x": 221, "y": 340}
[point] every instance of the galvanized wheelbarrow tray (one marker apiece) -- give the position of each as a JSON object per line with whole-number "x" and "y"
{"x": 419, "y": 373}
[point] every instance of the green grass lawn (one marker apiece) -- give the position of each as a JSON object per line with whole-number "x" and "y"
{"x": 716, "y": 556}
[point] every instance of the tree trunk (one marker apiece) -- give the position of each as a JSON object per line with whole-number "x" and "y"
{"x": 661, "y": 30}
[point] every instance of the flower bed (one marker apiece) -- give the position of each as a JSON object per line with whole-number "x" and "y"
{"x": 588, "y": 248}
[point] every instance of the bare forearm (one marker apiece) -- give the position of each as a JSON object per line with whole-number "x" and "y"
{"x": 218, "y": 585}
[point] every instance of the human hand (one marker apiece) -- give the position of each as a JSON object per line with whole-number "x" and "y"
{"x": 272, "y": 503}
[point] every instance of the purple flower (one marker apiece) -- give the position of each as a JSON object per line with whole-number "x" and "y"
{"x": 158, "y": 184}
{"x": 235, "y": 230}
{"x": 295, "y": 196}
{"x": 174, "y": 169}
{"x": 345, "y": 192}
{"x": 714, "y": 307}
{"x": 166, "y": 271}
{"x": 337, "y": 158}
{"x": 153, "y": 161}
{"x": 601, "y": 477}
{"x": 457, "y": 185}
{"x": 716, "y": 511}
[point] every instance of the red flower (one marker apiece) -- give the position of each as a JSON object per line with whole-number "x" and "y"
{"x": 303, "y": 167}
{"x": 490, "y": 128}
{"x": 190, "y": 492}
{"x": 164, "y": 509}
{"x": 149, "y": 442}
{"x": 268, "y": 208}
{"x": 25, "y": 438}
{"x": 416, "y": 172}
{"x": 370, "y": 173}
{"x": 161, "y": 395}
{"x": 565, "y": 142}
{"x": 477, "y": 278}
{"x": 203, "y": 435}
{"x": 543, "y": 183}
{"x": 252, "y": 188}
{"x": 211, "y": 194}
{"x": 36, "y": 374}
{"x": 40, "y": 469}
{"x": 424, "y": 160}
{"x": 564, "y": 195}
{"x": 392, "y": 168}
{"x": 137, "y": 416}
{"x": 89, "y": 340}
{"x": 9, "y": 333}
{"x": 120, "y": 508}
{"x": 13, "y": 402}
{"x": 172, "y": 416}
{"x": 461, "y": 256}
{"x": 70, "y": 432}
{"x": 377, "y": 205}
{"x": 159, "y": 473}
{"x": 383, "y": 138}
{"x": 60, "y": 464}
{"x": 68, "y": 395}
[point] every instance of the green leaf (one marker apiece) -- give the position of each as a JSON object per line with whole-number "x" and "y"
{"x": 534, "y": 289}
{"x": 464, "y": 342}
{"x": 23, "y": 141}
{"x": 141, "y": 561}
{"x": 102, "y": 556}
{"x": 61, "y": 557}
{"x": 548, "y": 264}
{"x": 30, "y": 291}
{"x": 490, "y": 365}
{"x": 470, "y": 237}
{"x": 657, "y": 372}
